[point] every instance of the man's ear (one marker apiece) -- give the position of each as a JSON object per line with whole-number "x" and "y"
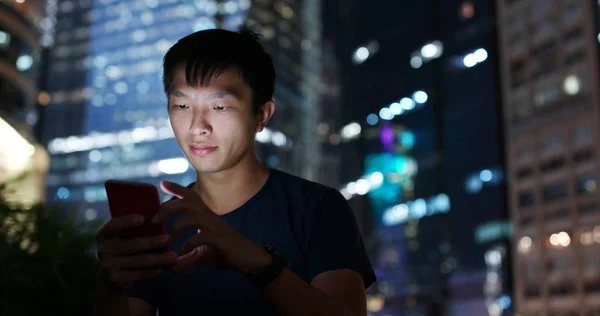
{"x": 265, "y": 112}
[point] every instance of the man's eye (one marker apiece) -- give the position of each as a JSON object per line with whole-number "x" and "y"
{"x": 220, "y": 107}
{"x": 181, "y": 106}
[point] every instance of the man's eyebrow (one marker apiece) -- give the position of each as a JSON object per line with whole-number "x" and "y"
{"x": 178, "y": 93}
{"x": 223, "y": 93}
{"x": 211, "y": 96}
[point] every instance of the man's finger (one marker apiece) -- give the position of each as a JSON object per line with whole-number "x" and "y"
{"x": 117, "y": 225}
{"x": 138, "y": 262}
{"x": 201, "y": 239}
{"x": 190, "y": 220}
{"x": 186, "y": 261}
{"x": 171, "y": 208}
{"x": 176, "y": 190}
{"x": 133, "y": 246}
{"x": 125, "y": 279}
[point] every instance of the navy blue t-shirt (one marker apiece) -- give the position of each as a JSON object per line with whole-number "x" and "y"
{"x": 309, "y": 224}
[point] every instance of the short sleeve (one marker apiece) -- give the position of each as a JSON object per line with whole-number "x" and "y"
{"x": 335, "y": 241}
{"x": 148, "y": 290}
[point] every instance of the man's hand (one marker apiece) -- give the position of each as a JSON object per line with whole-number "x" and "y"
{"x": 126, "y": 261}
{"x": 216, "y": 244}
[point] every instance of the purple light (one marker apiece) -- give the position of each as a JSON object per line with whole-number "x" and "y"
{"x": 387, "y": 136}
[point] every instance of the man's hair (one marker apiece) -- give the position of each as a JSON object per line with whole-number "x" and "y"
{"x": 206, "y": 54}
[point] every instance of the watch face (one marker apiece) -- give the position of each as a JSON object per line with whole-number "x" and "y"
{"x": 271, "y": 249}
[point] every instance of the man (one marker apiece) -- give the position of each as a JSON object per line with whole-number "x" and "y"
{"x": 244, "y": 239}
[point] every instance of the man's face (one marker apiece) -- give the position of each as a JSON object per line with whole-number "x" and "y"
{"x": 214, "y": 124}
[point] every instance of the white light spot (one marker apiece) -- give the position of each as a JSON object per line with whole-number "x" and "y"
{"x": 143, "y": 87}
{"x": 554, "y": 240}
{"x": 114, "y": 72}
{"x": 416, "y": 62}
{"x": 396, "y": 108}
{"x": 278, "y": 139}
{"x": 110, "y": 99}
{"x": 470, "y": 60}
{"x": 24, "y": 62}
{"x": 351, "y": 187}
{"x": 121, "y": 87}
{"x": 362, "y": 187}
{"x": 407, "y": 104}
{"x": 493, "y": 257}
{"x": 525, "y": 244}
{"x": 420, "y": 97}
{"x": 376, "y": 179}
{"x": 485, "y": 175}
{"x": 564, "y": 239}
{"x": 263, "y": 136}
{"x": 138, "y": 35}
{"x": 351, "y": 130}
{"x": 95, "y": 156}
{"x": 100, "y": 61}
{"x": 386, "y": 114}
{"x": 572, "y": 85}
{"x": 163, "y": 45}
{"x": 432, "y": 50}
{"x": 360, "y": 55}
{"x": 480, "y": 55}
{"x": 90, "y": 214}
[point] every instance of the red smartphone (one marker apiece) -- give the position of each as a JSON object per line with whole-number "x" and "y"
{"x": 130, "y": 198}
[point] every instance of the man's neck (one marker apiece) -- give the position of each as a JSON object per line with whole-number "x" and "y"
{"x": 227, "y": 190}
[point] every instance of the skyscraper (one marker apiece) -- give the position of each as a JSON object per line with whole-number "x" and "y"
{"x": 433, "y": 169}
{"x": 551, "y": 101}
{"x": 108, "y": 116}
{"x": 20, "y": 50}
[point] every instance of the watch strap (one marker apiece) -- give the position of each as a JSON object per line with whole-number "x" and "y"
{"x": 269, "y": 274}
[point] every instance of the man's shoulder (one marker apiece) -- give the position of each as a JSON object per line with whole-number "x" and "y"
{"x": 305, "y": 189}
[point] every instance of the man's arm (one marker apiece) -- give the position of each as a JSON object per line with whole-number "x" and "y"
{"x": 113, "y": 304}
{"x": 337, "y": 292}
{"x": 337, "y": 265}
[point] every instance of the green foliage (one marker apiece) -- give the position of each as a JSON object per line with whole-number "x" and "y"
{"x": 47, "y": 260}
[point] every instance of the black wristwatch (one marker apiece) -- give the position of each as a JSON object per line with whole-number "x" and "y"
{"x": 268, "y": 275}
